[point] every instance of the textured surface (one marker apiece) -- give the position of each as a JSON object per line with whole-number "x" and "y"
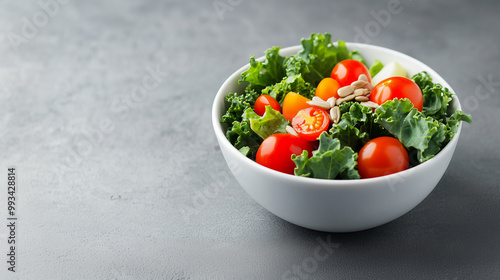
{"x": 118, "y": 183}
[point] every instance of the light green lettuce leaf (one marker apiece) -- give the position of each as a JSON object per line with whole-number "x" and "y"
{"x": 270, "y": 123}
{"x": 376, "y": 67}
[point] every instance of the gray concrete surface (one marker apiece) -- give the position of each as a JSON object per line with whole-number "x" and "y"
{"x": 115, "y": 182}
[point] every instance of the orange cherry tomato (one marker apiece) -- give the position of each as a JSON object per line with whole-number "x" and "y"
{"x": 382, "y": 156}
{"x": 293, "y": 103}
{"x": 276, "y": 151}
{"x": 397, "y": 87}
{"x": 309, "y": 123}
{"x": 348, "y": 71}
{"x": 327, "y": 88}
{"x": 263, "y": 101}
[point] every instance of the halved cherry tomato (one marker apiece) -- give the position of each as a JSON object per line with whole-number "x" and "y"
{"x": 327, "y": 88}
{"x": 276, "y": 151}
{"x": 309, "y": 123}
{"x": 293, "y": 103}
{"x": 397, "y": 87}
{"x": 263, "y": 101}
{"x": 382, "y": 156}
{"x": 348, "y": 71}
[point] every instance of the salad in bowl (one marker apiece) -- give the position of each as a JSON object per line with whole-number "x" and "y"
{"x": 324, "y": 113}
{"x": 337, "y": 136}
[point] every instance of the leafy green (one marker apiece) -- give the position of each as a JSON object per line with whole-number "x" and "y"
{"x": 270, "y": 123}
{"x": 376, "y": 67}
{"x": 345, "y": 107}
{"x": 343, "y": 52}
{"x": 356, "y": 56}
{"x": 411, "y": 127}
{"x": 247, "y": 134}
{"x": 436, "y": 101}
{"x": 453, "y": 122}
{"x": 328, "y": 162}
{"x": 239, "y": 132}
{"x": 436, "y": 142}
{"x": 237, "y": 104}
{"x": 349, "y": 130}
{"x": 318, "y": 57}
{"x": 244, "y": 138}
{"x": 436, "y": 97}
{"x": 356, "y": 126}
{"x": 423, "y": 80}
{"x": 244, "y": 150}
{"x": 267, "y": 72}
{"x": 293, "y": 83}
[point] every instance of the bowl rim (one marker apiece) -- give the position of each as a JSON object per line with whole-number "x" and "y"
{"x": 218, "y": 129}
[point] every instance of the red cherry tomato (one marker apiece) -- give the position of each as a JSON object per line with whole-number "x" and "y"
{"x": 263, "y": 101}
{"x": 276, "y": 151}
{"x": 310, "y": 123}
{"x": 397, "y": 87}
{"x": 382, "y": 156}
{"x": 348, "y": 71}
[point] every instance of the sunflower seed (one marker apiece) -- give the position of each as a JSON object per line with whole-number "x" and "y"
{"x": 369, "y": 87}
{"x": 319, "y": 103}
{"x": 335, "y": 114}
{"x": 359, "y": 92}
{"x": 331, "y": 101}
{"x": 317, "y": 98}
{"x": 345, "y": 99}
{"x": 361, "y": 98}
{"x": 370, "y": 104}
{"x": 290, "y": 130}
{"x": 363, "y": 77}
{"x": 345, "y": 91}
{"x": 367, "y": 92}
{"x": 359, "y": 84}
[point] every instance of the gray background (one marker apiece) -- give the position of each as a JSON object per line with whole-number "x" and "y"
{"x": 150, "y": 197}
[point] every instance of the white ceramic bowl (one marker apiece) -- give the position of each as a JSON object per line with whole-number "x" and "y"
{"x": 335, "y": 205}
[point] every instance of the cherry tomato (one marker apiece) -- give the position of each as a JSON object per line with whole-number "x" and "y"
{"x": 293, "y": 103}
{"x": 276, "y": 151}
{"x": 263, "y": 101}
{"x": 327, "y": 88}
{"x": 382, "y": 156}
{"x": 397, "y": 87}
{"x": 310, "y": 123}
{"x": 348, "y": 71}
